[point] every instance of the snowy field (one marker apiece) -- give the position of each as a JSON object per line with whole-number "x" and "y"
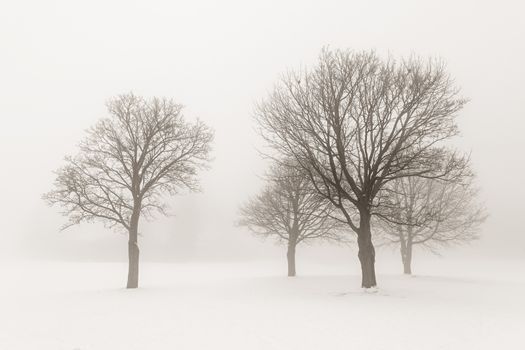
{"x": 252, "y": 306}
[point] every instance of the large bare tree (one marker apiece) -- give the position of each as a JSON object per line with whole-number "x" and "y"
{"x": 127, "y": 162}
{"x": 355, "y": 122}
{"x": 430, "y": 213}
{"x": 290, "y": 210}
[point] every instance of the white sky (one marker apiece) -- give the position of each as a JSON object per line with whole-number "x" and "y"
{"x": 61, "y": 60}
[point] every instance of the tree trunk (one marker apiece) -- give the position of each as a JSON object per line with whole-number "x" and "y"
{"x": 366, "y": 252}
{"x": 290, "y": 255}
{"x": 133, "y": 252}
{"x": 406, "y": 267}
{"x": 407, "y": 260}
{"x": 133, "y": 267}
{"x": 293, "y": 236}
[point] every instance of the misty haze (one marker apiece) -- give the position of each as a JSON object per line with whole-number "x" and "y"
{"x": 262, "y": 175}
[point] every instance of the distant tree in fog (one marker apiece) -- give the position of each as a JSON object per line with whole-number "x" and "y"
{"x": 355, "y": 122}
{"x": 127, "y": 162}
{"x": 290, "y": 209}
{"x": 430, "y": 213}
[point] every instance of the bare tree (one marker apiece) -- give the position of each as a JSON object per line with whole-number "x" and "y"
{"x": 356, "y": 122}
{"x": 127, "y": 162}
{"x": 291, "y": 210}
{"x": 430, "y": 213}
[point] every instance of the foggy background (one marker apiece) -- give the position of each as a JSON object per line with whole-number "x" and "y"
{"x": 61, "y": 60}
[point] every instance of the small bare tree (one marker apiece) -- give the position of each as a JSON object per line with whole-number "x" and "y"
{"x": 430, "y": 213}
{"x": 356, "y": 122}
{"x": 127, "y": 162}
{"x": 291, "y": 210}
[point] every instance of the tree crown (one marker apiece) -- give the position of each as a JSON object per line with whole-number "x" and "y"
{"x": 129, "y": 159}
{"x": 354, "y": 122}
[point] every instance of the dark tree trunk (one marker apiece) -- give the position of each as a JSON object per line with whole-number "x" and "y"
{"x": 366, "y": 252}
{"x": 290, "y": 255}
{"x": 133, "y": 252}
{"x": 367, "y": 259}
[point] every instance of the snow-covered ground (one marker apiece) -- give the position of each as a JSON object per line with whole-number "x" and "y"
{"x": 253, "y": 306}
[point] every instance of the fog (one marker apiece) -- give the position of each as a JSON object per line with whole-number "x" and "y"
{"x": 61, "y": 61}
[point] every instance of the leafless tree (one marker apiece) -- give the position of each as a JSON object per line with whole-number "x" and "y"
{"x": 430, "y": 213}
{"x": 291, "y": 210}
{"x": 127, "y": 162}
{"x": 355, "y": 122}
